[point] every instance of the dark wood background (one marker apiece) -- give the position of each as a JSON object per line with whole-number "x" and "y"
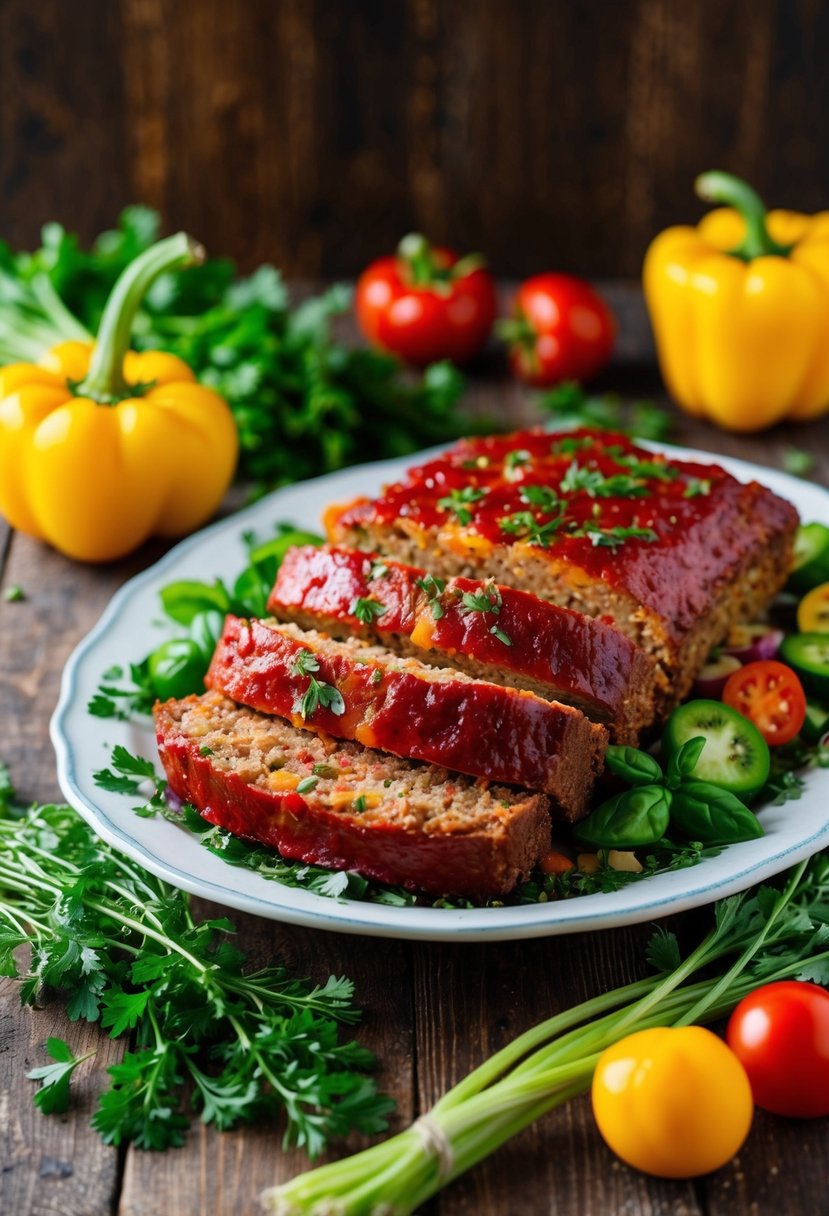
{"x": 313, "y": 133}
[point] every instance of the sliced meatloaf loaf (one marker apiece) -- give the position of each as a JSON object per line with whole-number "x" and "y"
{"x": 672, "y": 551}
{"x": 489, "y": 631}
{"x": 347, "y": 807}
{"x": 356, "y": 691}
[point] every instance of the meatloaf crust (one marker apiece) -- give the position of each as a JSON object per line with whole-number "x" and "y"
{"x": 412, "y": 710}
{"x": 389, "y": 819}
{"x": 517, "y": 639}
{"x": 671, "y": 551}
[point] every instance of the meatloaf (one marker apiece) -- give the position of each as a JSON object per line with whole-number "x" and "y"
{"x": 356, "y": 691}
{"x": 489, "y": 631}
{"x": 672, "y": 551}
{"x": 347, "y": 807}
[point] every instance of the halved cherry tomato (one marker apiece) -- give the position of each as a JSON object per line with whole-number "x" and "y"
{"x": 813, "y": 611}
{"x": 771, "y": 696}
{"x": 425, "y": 303}
{"x": 672, "y": 1101}
{"x": 560, "y": 329}
{"x": 780, "y": 1033}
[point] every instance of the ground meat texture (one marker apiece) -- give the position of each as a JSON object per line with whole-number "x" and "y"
{"x": 411, "y": 709}
{"x": 522, "y": 642}
{"x": 389, "y": 819}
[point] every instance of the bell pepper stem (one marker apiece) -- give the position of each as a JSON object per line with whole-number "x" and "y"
{"x": 718, "y": 187}
{"x": 105, "y": 381}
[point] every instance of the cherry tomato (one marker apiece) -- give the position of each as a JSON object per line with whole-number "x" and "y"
{"x": 771, "y": 696}
{"x": 672, "y": 1101}
{"x": 813, "y": 611}
{"x": 426, "y": 303}
{"x": 780, "y": 1033}
{"x": 561, "y": 329}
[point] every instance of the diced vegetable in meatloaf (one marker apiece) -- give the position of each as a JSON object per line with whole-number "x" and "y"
{"x": 356, "y": 691}
{"x": 489, "y": 631}
{"x": 348, "y": 807}
{"x": 673, "y": 551}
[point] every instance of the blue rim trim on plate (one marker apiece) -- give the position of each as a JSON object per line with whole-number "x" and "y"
{"x": 252, "y": 893}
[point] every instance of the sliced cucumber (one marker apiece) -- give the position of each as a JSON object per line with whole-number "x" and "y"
{"x": 810, "y": 567}
{"x": 816, "y": 723}
{"x": 735, "y": 755}
{"x": 808, "y": 655}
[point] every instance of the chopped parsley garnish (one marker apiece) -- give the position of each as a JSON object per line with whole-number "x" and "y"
{"x": 14, "y": 594}
{"x": 378, "y": 570}
{"x": 696, "y": 487}
{"x": 377, "y": 676}
{"x": 543, "y": 497}
{"x": 654, "y": 469}
{"x": 524, "y": 524}
{"x": 515, "y": 460}
{"x": 614, "y": 538}
{"x": 488, "y": 600}
{"x": 360, "y": 803}
{"x": 367, "y": 610}
{"x": 596, "y": 485}
{"x": 459, "y": 502}
{"x": 434, "y": 588}
{"x": 571, "y": 444}
{"x": 579, "y": 477}
{"x": 318, "y": 693}
{"x": 307, "y": 784}
{"x": 205, "y": 751}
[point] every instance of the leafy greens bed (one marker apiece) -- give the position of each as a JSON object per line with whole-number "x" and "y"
{"x": 712, "y": 818}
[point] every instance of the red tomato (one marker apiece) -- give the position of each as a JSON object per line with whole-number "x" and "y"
{"x": 426, "y": 303}
{"x": 780, "y": 1033}
{"x": 561, "y": 330}
{"x": 771, "y": 696}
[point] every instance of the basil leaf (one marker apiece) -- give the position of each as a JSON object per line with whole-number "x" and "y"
{"x": 250, "y": 593}
{"x": 683, "y": 762}
{"x": 206, "y": 629}
{"x": 635, "y": 817}
{"x": 635, "y": 767}
{"x": 182, "y": 600}
{"x": 705, "y": 812}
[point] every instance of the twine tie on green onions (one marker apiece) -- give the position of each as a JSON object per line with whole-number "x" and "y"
{"x": 435, "y": 1144}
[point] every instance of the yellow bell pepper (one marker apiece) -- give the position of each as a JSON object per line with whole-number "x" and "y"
{"x": 102, "y": 447}
{"x": 740, "y": 310}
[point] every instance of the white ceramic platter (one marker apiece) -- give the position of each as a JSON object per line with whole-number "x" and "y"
{"x": 130, "y": 628}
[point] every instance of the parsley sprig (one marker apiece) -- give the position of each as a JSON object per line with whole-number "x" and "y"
{"x": 208, "y": 1035}
{"x": 318, "y": 693}
{"x": 458, "y": 502}
{"x": 491, "y": 601}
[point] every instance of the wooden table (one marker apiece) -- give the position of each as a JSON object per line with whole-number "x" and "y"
{"x": 432, "y": 1012}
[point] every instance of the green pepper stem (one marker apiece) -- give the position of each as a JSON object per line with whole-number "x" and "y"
{"x": 718, "y": 187}
{"x": 105, "y": 381}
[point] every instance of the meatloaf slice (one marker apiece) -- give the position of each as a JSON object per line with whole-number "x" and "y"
{"x": 347, "y": 807}
{"x": 489, "y": 631}
{"x": 672, "y": 551}
{"x": 356, "y": 691}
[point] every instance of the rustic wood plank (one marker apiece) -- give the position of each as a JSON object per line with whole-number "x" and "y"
{"x": 219, "y": 1173}
{"x": 54, "y": 1164}
{"x": 470, "y": 1001}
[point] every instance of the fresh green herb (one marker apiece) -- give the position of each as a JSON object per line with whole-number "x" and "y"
{"x": 367, "y": 610}
{"x": 797, "y": 462}
{"x": 317, "y": 694}
{"x": 759, "y": 937}
{"x": 209, "y": 1036}
{"x": 488, "y": 600}
{"x": 14, "y": 594}
{"x": 639, "y": 419}
{"x": 514, "y": 460}
{"x": 525, "y": 525}
{"x": 570, "y": 444}
{"x": 305, "y": 662}
{"x": 378, "y": 570}
{"x": 303, "y": 402}
{"x": 614, "y": 538}
{"x": 542, "y": 497}
{"x": 500, "y": 635}
{"x": 459, "y": 501}
{"x": 434, "y": 588}
{"x": 359, "y": 803}
{"x": 205, "y": 751}
{"x": 642, "y": 815}
{"x": 307, "y": 784}
{"x": 377, "y": 676}
{"x": 53, "y": 1095}
{"x": 697, "y": 487}
{"x": 580, "y": 477}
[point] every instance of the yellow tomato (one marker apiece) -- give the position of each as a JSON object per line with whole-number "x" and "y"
{"x": 672, "y": 1101}
{"x": 813, "y": 611}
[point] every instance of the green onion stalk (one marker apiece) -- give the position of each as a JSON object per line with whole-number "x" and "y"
{"x": 771, "y": 934}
